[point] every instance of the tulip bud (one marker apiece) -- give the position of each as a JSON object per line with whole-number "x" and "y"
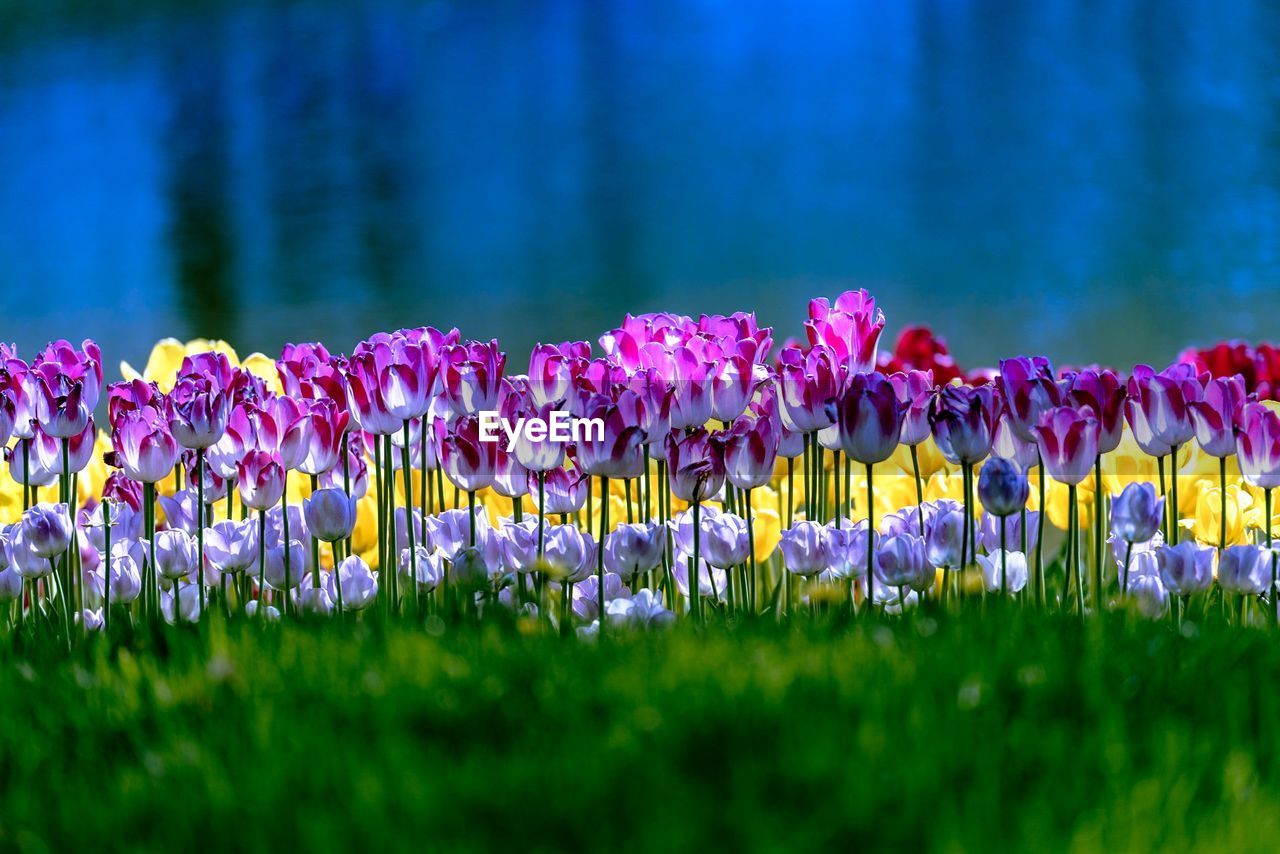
{"x": 330, "y": 514}
{"x": 1002, "y": 487}
{"x": 1136, "y": 513}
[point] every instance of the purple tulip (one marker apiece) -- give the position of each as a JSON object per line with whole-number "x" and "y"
{"x": 847, "y": 546}
{"x": 330, "y": 514}
{"x": 805, "y": 548}
{"x": 869, "y": 418}
{"x": 964, "y": 422}
{"x": 1258, "y": 446}
{"x": 286, "y": 565}
{"x": 352, "y": 584}
{"x": 586, "y": 597}
{"x": 423, "y": 567}
{"x": 468, "y": 461}
{"x": 552, "y": 368}
{"x": 915, "y": 393}
{"x": 1009, "y": 445}
{"x": 231, "y": 546}
{"x": 1157, "y": 411}
{"x": 633, "y": 548}
{"x": 198, "y": 412}
{"x": 1217, "y": 414}
{"x": 1102, "y": 391}
{"x": 261, "y": 480}
{"x": 944, "y": 533}
{"x": 1002, "y": 487}
{"x": 1029, "y": 392}
{"x": 750, "y": 452}
{"x": 695, "y": 462}
{"x": 1068, "y": 443}
{"x": 851, "y": 328}
{"x": 472, "y": 376}
{"x": 144, "y": 447}
{"x": 614, "y": 451}
{"x": 176, "y": 554}
{"x": 1244, "y": 569}
{"x": 570, "y": 552}
{"x": 1149, "y": 592}
{"x": 989, "y": 531}
{"x": 565, "y": 491}
{"x": 46, "y": 529}
{"x": 520, "y": 544}
{"x": 900, "y": 562}
{"x": 807, "y": 383}
{"x": 724, "y": 540}
{"x": 1185, "y": 568}
{"x": 1136, "y": 513}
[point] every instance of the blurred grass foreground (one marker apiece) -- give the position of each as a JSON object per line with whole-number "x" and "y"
{"x": 961, "y": 732}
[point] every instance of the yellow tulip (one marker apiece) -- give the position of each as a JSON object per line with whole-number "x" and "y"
{"x": 766, "y": 529}
{"x": 1206, "y": 524}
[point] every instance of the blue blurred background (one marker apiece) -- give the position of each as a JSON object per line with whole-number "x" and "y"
{"x": 1092, "y": 181}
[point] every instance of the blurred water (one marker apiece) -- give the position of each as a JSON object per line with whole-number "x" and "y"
{"x": 1093, "y": 181}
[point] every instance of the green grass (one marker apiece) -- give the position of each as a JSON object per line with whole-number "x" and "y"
{"x": 963, "y": 733}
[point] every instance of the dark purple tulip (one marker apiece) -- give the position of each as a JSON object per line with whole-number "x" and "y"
{"x": 1101, "y": 391}
{"x": 696, "y": 464}
{"x": 964, "y": 422}
{"x": 1136, "y": 513}
{"x": 1258, "y": 446}
{"x": 1002, "y": 487}
{"x": 1029, "y": 392}
{"x": 869, "y": 418}
{"x": 1068, "y": 443}
{"x": 1217, "y": 414}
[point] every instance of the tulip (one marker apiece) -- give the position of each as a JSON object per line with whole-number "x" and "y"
{"x": 1006, "y": 573}
{"x": 990, "y": 531}
{"x": 944, "y": 534}
{"x": 586, "y": 596}
{"x": 807, "y": 383}
{"x": 1002, "y": 487}
{"x": 805, "y": 548}
{"x": 261, "y": 480}
{"x": 964, "y": 422}
{"x": 1136, "y": 513}
{"x": 46, "y": 529}
{"x": 724, "y": 540}
{"x": 187, "y": 597}
{"x": 425, "y": 570}
{"x": 520, "y": 541}
{"x": 61, "y": 408}
{"x": 176, "y": 555}
{"x": 847, "y": 547}
{"x": 1029, "y": 392}
{"x": 352, "y": 585}
{"x": 231, "y": 547}
{"x": 643, "y": 610}
{"x": 472, "y": 376}
{"x": 750, "y": 452}
{"x": 330, "y": 514}
{"x": 570, "y": 552}
{"x": 198, "y": 412}
{"x": 1185, "y": 568}
{"x": 1104, "y": 394}
{"x": 1151, "y": 596}
{"x": 633, "y": 548}
{"x": 1243, "y": 569}
{"x": 1068, "y": 444}
{"x": 1258, "y": 448}
{"x": 851, "y": 328}
{"x": 901, "y": 562}
{"x": 696, "y": 464}
{"x": 285, "y": 565}
{"x": 144, "y": 447}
